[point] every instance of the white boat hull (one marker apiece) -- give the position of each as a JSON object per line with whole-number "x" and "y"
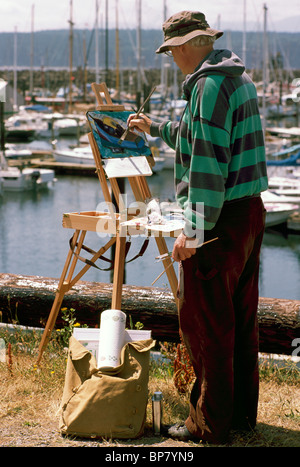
{"x": 68, "y": 127}
{"x": 278, "y": 216}
{"x": 14, "y": 179}
{"x": 83, "y": 155}
{"x": 277, "y": 207}
{"x": 75, "y": 156}
{"x": 272, "y": 196}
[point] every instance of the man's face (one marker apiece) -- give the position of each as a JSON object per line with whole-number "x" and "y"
{"x": 180, "y": 58}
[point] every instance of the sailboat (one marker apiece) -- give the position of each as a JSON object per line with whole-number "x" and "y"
{"x": 21, "y": 179}
{"x": 279, "y": 208}
{"x": 25, "y": 179}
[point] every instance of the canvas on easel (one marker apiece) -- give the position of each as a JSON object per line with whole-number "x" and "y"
{"x": 136, "y": 167}
{"x": 121, "y": 158}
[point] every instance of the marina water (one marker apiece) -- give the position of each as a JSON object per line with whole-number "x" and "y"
{"x": 33, "y": 241}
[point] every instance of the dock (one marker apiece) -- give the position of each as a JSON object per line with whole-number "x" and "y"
{"x": 293, "y": 132}
{"x": 290, "y": 227}
{"x": 65, "y": 168}
{"x": 293, "y": 223}
{"x": 60, "y": 168}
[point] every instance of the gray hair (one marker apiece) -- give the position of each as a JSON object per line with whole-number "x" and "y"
{"x": 201, "y": 41}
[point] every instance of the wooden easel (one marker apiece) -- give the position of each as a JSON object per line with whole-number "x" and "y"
{"x": 84, "y": 222}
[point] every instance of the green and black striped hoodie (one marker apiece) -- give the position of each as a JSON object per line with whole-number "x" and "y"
{"x": 219, "y": 144}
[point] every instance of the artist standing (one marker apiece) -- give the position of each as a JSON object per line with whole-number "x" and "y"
{"x": 220, "y": 165}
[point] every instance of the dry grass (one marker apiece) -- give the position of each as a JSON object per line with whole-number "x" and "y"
{"x": 30, "y": 399}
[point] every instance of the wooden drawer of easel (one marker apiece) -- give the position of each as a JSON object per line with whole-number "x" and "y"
{"x": 92, "y": 221}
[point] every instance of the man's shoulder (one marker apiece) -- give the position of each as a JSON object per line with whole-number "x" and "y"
{"x": 210, "y": 83}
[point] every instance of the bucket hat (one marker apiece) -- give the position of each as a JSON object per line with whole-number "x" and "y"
{"x": 184, "y": 26}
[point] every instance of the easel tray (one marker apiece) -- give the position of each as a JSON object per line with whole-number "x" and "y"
{"x": 93, "y": 221}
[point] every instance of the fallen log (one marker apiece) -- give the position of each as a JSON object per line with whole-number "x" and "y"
{"x": 27, "y": 300}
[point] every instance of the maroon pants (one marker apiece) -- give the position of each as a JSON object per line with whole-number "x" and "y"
{"x": 218, "y": 322}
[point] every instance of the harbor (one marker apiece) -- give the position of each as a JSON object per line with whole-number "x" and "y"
{"x": 74, "y": 187}
{"x": 91, "y": 298}
{"x": 33, "y": 241}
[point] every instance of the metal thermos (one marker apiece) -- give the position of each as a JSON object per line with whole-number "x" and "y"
{"x": 157, "y": 412}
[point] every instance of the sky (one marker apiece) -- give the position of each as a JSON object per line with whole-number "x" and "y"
{"x": 226, "y": 14}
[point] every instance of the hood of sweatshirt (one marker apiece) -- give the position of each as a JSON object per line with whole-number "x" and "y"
{"x": 217, "y": 62}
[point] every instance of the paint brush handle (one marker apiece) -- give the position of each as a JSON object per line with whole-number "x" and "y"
{"x": 166, "y": 255}
{"x": 145, "y": 102}
{"x": 138, "y": 113}
{"x": 171, "y": 264}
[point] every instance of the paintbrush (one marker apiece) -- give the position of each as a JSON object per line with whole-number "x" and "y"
{"x": 167, "y": 255}
{"x": 137, "y": 115}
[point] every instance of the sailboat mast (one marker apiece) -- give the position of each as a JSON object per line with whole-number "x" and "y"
{"x": 97, "y": 44}
{"x": 163, "y": 60}
{"x": 71, "y": 55}
{"x": 84, "y": 67}
{"x": 15, "y": 71}
{"x": 117, "y": 50}
{"x": 106, "y": 42}
{"x": 31, "y": 51}
{"x": 265, "y": 64}
{"x": 244, "y": 31}
{"x": 139, "y": 80}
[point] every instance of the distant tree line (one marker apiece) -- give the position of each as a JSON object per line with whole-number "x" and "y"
{"x": 51, "y": 48}
{"x": 51, "y": 58}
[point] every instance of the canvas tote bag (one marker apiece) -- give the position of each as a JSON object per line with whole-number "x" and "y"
{"x": 106, "y": 403}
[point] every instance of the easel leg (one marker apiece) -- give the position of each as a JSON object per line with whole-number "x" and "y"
{"x": 141, "y": 191}
{"x": 118, "y": 272}
{"x": 51, "y": 322}
{"x": 66, "y": 284}
{"x": 62, "y": 289}
{"x": 173, "y": 281}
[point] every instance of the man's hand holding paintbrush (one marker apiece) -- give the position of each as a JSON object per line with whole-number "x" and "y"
{"x": 139, "y": 121}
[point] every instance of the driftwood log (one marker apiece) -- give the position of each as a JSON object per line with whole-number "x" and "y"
{"x": 27, "y": 300}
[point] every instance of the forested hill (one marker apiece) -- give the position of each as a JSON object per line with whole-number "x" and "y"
{"x": 51, "y": 48}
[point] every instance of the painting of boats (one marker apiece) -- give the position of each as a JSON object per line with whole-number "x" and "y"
{"x": 108, "y": 128}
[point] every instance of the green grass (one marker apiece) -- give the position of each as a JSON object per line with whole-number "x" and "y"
{"x": 30, "y": 395}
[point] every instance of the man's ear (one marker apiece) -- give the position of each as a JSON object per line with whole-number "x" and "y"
{"x": 182, "y": 48}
